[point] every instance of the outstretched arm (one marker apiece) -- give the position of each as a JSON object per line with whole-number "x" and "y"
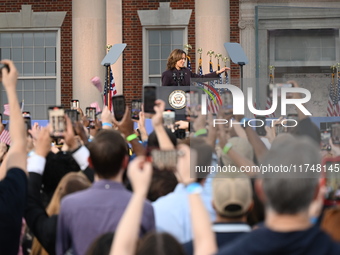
{"x": 17, "y": 154}
{"x": 126, "y": 235}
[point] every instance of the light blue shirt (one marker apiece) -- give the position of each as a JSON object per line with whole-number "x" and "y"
{"x": 172, "y": 212}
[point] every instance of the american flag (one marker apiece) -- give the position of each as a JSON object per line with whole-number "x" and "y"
{"x": 4, "y": 136}
{"x": 112, "y": 91}
{"x": 333, "y": 105}
{"x": 7, "y": 110}
{"x": 189, "y": 63}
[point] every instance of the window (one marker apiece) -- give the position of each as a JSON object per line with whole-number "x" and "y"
{"x": 35, "y": 56}
{"x": 160, "y": 43}
{"x": 298, "y": 47}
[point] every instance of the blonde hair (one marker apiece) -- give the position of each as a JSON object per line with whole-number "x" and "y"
{"x": 174, "y": 56}
{"x": 71, "y": 182}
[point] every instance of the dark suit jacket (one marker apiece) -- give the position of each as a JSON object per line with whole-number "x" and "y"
{"x": 42, "y": 226}
{"x": 182, "y": 77}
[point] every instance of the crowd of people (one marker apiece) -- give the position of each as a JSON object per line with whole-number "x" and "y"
{"x": 129, "y": 192}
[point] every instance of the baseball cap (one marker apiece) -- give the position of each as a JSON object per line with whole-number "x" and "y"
{"x": 232, "y": 196}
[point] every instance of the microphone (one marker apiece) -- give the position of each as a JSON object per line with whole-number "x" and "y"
{"x": 181, "y": 76}
{"x": 174, "y": 76}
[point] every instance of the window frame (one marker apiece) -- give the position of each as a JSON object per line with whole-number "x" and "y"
{"x": 146, "y": 29}
{"x": 57, "y": 77}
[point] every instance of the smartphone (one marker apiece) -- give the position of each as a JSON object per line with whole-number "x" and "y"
{"x": 192, "y": 99}
{"x": 260, "y": 130}
{"x": 118, "y": 103}
{"x": 73, "y": 115}
{"x": 227, "y": 100}
{"x": 149, "y": 98}
{"x": 3, "y": 66}
{"x": 90, "y": 113}
{"x": 164, "y": 159}
{"x": 332, "y": 177}
{"x": 74, "y": 104}
{"x": 335, "y": 133}
{"x": 279, "y": 86}
{"x": 27, "y": 119}
{"x": 136, "y": 108}
{"x": 56, "y": 117}
{"x": 169, "y": 118}
{"x": 1, "y": 117}
{"x": 325, "y": 136}
{"x": 279, "y": 129}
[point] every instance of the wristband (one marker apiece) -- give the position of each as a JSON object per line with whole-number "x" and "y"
{"x": 131, "y": 137}
{"x": 200, "y": 132}
{"x": 194, "y": 188}
{"x": 245, "y": 120}
{"x": 107, "y": 124}
{"x": 227, "y": 147}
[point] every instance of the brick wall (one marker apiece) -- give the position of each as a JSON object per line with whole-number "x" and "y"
{"x": 132, "y": 35}
{"x": 66, "y": 36}
{"x": 234, "y": 37}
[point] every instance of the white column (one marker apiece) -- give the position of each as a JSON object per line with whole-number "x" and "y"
{"x": 114, "y": 33}
{"x": 88, "y": 48}
{"x": 212, "y": 29}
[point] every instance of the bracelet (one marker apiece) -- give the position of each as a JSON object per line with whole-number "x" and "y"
{"x": 227, "y": 147}
{"x": 200, "y": 132}
{"x": 107, "y": 124}
{"x": 131, "y": 137}
{"x": 193, "y": 188}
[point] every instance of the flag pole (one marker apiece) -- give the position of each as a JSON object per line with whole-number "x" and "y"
{"x": 107, "y": 79}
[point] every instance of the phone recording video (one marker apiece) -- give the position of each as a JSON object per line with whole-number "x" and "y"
{"x": 169, "y": 118}
{"x": 335, "y": 133}
{"x": 73, "y": 115}
{"x": 91, "y": 116}
{"x": 332, "y": 177}
{"x": 325, "y": 137}
{"x": 136, "y": 108}
{"x": 74, "y": 104}
{"x": 227, "y": 100}
{"x": 56, "y": 117}
{"x": 164, "y": 159}
{"x": 192, "y": 106}
{"x": 149, "y": 98}
{"x": 27, "y": 119}
{"x": 271, "y": 86}
{"x": 118, "y": 103}
{"x": 260, "y": 129}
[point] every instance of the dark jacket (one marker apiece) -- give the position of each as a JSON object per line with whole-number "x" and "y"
{"x": 182, "y": 77}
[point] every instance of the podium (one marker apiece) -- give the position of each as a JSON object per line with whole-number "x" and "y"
{"x": 169, "y": 94}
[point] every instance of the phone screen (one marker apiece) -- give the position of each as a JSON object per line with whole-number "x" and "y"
{"x": 162, "y": 159}
{"x": 118, "y": 103}
{"x": 72, "y": 114}
{"x": 325, "y": 136}
{"x": 335, "y": 133}
{"x": 136, "y": 108}
{"x": 192, "y": 98}
{"x": 332, "y": 169}
{"x": 27, "y": 119}
{"x": 227, "y": 100}
{"x": 169, "y": 118}
{"x": 149, "y": 98}
{"x": 56, "y": 116}
{"x": 260, "y": 130}
{"x": 74, "y": 104}
{"x": 91, "y": 113}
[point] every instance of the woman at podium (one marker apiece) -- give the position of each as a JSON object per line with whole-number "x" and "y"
{"x": 178, "y": 75}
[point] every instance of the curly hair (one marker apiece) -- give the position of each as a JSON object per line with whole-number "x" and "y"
{"x": 174, "y": 56}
